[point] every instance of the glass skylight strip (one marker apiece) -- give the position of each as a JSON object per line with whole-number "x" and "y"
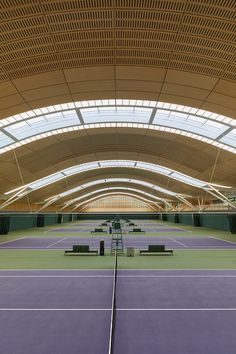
{"x": 46, "y": 181}
{"x": 177, "y": 119}
{"x": 229, "y": 138}
{"x": 137, "y": 191}
{"x": 107, "y": 194}
{"x": 111, "y": 164}
{"x": 112, "y": 180}
{"x": 116, "y": 114}
{"x": 31, "y": 127}
{"x": 119, "y": 102}
{"x": 5, "y": 140}
{"x": 191, "y": 124}
{"x": 114, "y": 125}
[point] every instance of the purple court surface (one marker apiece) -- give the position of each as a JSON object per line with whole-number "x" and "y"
{"x": 105, "y": 228}
{"x": 173, "y": 242}
{"x": 158, "y": 311}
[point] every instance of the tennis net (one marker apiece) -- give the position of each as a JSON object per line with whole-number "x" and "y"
{"x": 113, "y": 309}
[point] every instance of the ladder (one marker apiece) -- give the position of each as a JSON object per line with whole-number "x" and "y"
{"x": 117, "y": 241}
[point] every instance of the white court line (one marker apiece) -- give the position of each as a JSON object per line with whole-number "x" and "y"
{"x": 56, "y": 242}
{"x": 216, "y": 238}
{"x": 120, "y": 276}
{"x": 179, "y": 309}
{"x": 41, "y": 248}
{"x": 62, "y": 269}
{"x": 123, "y": 269}
{"x": 161, "y": 269}
{"x": 39, "y": 309}
{"x": 119, "y": 309}
{"x": 175, "y": 276}
{"x": 57, "y": 276}
{"x": 173, "y": 239}
{"x": 21, "y": 238}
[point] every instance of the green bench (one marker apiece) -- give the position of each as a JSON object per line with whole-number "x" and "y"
{"x": 137, "y": 230}
{"x": 156, "y": 250}
{"x": 132, "y": 224}
{"x": 104, "y": 224}
{"x": 81, "y": 250}
{"x": 98, "y": 230}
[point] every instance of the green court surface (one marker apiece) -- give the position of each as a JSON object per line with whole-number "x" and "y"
{"x": 55, "y": 259}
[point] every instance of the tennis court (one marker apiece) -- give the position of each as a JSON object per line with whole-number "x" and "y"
{"x": 174, "y": 242}
{"x": 55, "y": 304}
{"x": 105, "y": 228}
{"x": 156, "y": 311}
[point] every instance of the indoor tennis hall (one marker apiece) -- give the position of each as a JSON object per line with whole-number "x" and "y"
{"x": 117, "y": 177}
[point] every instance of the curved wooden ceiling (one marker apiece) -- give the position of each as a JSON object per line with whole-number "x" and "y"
{"x": 169, "y": 50}
{"x": 176, "y": 51}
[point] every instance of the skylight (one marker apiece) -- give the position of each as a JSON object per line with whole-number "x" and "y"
{"x": 194, "y": 123}
{"x": 107, "y": 194}
{"x": 116, "y": 114}
{"x": 43, "y": 182}
{"x": 230, "y": 138}
{"x": 135, "y": 191}
{"x": 112, "y": 180}
{"x": 42, "y": 124}
{"x": 108, "y": 164}
{"x": 5, "y": 140}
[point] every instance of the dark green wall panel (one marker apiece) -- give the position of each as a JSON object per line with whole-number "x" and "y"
{"x": 171, "y": 217}
{"x": 50, "y": 219}
{"x": 186, "y": 219}
{"x": 22, "y": 221}
{"x": 66, "y": 217}
{"x": 215, "y": 221}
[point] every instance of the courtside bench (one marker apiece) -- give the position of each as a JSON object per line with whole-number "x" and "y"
{"x": 81, "y": 250}
{"x": 98, "y": 231}
{"x": 137, "y": 230}
{"x": 156, "y": 250}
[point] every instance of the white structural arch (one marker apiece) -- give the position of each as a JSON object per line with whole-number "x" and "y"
{"x": 24, "y": 190}
{"x": 209, "y": 127}
{"x": 150, "y": 203}
{"x": 140, "y": 183}
{"x": 133, "y": 191}
{"x": 108, "y": 193}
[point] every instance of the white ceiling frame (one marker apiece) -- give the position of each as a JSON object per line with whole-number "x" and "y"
{"x": 115, "y": 194}
{"x": 136, "y": 191}
{"x": 181, "y": 120}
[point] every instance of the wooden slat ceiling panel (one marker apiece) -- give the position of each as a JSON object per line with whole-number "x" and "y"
{"x": 195, "y": 36}
{"x": 179, "y": 51}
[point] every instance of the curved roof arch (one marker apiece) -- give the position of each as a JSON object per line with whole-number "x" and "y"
{"x": 198, "y": 124}
{"x": 47, "y": 159}
{"x": 120, "y": 181}
{"x": 95, "y": 165}
{"x": 66, "y": 68}
{"x": 112, "y": 164}
{"x": 117, "y": 189}
{"x": 114, "y": 180}
{"x": 113, "y": 199}
{"x": 181, "y": 51}
{"x": 133, "y": 195}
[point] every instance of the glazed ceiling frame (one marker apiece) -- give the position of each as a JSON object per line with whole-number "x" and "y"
{"x": 208, "y": 127}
